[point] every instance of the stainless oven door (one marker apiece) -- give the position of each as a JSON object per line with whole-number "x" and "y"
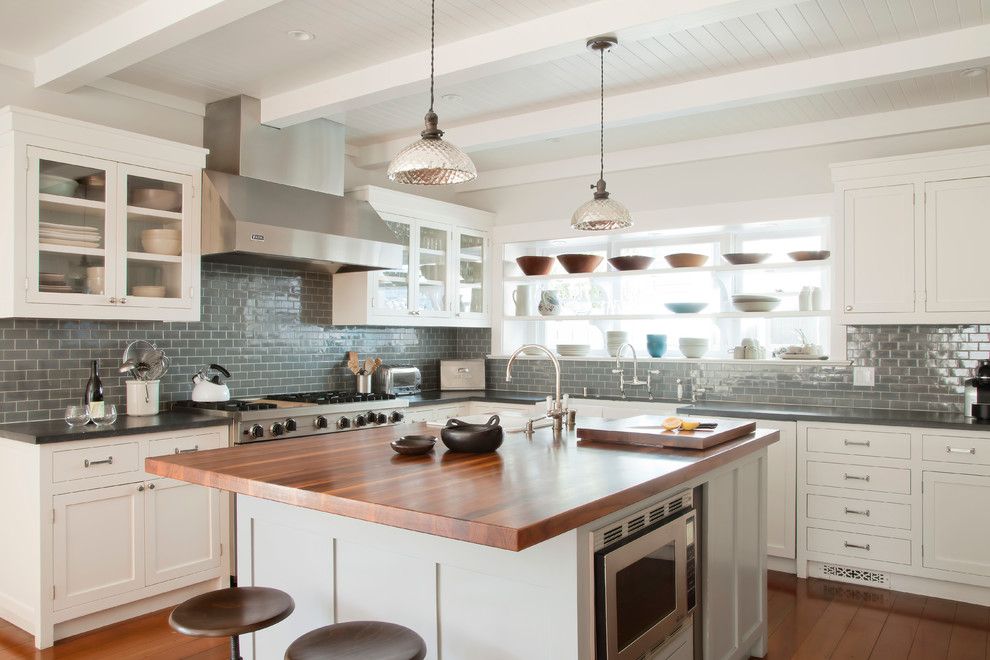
{"x": 642, "y": 589}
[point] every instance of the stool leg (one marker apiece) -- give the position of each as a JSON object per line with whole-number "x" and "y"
{"x": 235, "y": 648}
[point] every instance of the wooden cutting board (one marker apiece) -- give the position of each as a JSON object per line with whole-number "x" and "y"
{"x": 646, "y": 430}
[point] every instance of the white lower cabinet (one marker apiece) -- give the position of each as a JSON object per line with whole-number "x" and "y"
{"x": 98, "y": 545}
{"x": 956, "y": 514}
{"x": 781, "y": 493}
{"x": 181, "y": 529}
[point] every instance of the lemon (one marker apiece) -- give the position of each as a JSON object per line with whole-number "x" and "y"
{"x": 689, "y": 425}
{"x": 672, "y": 423}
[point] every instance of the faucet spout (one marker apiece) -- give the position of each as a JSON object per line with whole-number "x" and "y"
{"x": 558, "y": 410}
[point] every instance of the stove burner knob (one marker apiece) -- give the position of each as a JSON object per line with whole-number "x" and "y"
{"x": 257, "y": 431}
{"x": 371, "y": 416}
{"x": 290, "y": 425}
{"x": 343, "y": 423}
{"x": 321, "y": 422}
{"x": 396, "y": 417}
{"x": 278, "y": 428}
{"x": 380, "y": 418}
{"x": 360, "y": 420}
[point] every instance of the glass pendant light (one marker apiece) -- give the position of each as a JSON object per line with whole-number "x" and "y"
{"x": 601, "y": 213}
{"x": 431, "y": 161}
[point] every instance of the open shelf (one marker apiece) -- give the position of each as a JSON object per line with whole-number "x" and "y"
{"x": 141, "y": 213}
{"x": 784, "y": 265}
{"x": 62, "y": 203}
{"x": 647, "y": 317}
{"x": 68, "y": 249}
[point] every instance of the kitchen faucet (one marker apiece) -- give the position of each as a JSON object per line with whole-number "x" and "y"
{"x": 558, "y": 409}
{"x": 622, "y": 375}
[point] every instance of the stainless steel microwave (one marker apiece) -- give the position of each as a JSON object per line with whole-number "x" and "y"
{"x": 645, "y": 578}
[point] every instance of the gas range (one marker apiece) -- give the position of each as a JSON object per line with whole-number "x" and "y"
{"x": 282, "y": 416}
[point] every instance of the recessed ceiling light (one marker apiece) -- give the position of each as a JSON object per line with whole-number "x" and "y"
{"x": 451, "y": 98}
{"x": 301, "y": 35}
{"x": 975, "y": 72}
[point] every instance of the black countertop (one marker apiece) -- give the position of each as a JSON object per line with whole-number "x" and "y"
{"x": 461, "y": 396}
{"x": 57, "y": 430}
{"x": 838, "y": 415}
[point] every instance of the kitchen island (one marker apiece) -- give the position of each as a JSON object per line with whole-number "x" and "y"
{"x": 485, "y": 556}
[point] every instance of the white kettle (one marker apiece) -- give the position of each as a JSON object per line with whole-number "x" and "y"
{"x": 209, "y": 386}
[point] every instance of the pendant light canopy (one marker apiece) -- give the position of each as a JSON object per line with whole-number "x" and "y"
{"x": 601, "y": 213}
{"x": 431, "y": 161}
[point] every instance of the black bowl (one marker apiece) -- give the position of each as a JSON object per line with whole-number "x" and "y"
{"x": 414, "y": 445}
{"x": 474, "y": 438}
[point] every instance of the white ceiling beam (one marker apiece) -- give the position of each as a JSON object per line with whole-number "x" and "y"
{"x": 903, "y": 59}
{"x": 135, "y": 35}
{"x": 517, "y": 46}
{"x": 883, "y": 124}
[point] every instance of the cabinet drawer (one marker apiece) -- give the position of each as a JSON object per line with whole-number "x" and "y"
{"x": 863, "y": 512}
{"x": 183, "y": 444}
{"x": 863, "y": 546}
{"x": 95, "y": 461}
{"x": 860, "y": 477}
{"x": 956, "y": 449}
{"x": 860, "y": 443}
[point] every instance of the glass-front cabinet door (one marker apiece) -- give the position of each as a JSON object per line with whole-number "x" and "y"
{"x": 393, "y": 289}
{"x": 155, "y": 248}
{"x": 432, "y": 251}
{"x": 70, "y": 228}
{"x": 472, "y": 261}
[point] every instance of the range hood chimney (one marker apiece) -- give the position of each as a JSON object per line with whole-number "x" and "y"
{"x": 273, "y": 196}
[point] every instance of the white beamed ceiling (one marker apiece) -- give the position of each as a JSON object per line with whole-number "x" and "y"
{"x": 32, "y": 27}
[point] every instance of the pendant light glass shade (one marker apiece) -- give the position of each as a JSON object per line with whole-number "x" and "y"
{"x": 601, "y": 213}
{"x": 430, "y": 161}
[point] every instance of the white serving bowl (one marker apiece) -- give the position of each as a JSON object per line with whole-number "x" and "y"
{"x": 155, "y": 198}
{"x": 162, "y": 241}
{"x": 692, "y": 347}
{"x": 754, "y": 298}
{"x": 148, "y": 291}
{"x": 755, "y": 305}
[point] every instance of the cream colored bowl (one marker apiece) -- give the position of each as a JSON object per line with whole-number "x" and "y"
{"x": 148, "y": 291}
{"x": 162, "y": 241}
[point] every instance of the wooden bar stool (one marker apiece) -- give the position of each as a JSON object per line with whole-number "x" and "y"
{"x": 231, "y": 612}
{"x": 358, "y": 640}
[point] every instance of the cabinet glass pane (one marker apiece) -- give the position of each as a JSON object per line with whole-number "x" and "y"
{"x": 72, "y": 228}
{"x": 393, "y": 285}
{"x": 154, "y": 238}
{"x": 470, "y": 290}
{"x": 432, "y": 270}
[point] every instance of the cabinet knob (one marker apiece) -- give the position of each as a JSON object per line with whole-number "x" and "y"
{"x": 151, "y": 486}
{"x": 123, "y": 301}
{"x": 849, "y": 308}
{"x": 141, "y": 488}
{"x": 112, "y": 301}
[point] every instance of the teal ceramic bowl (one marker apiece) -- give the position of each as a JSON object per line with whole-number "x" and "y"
{"x": 686, "y": 308}
{"x": 656, "y": 345}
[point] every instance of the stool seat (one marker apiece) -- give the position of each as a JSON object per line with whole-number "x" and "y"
{"x": 358, "y": 640}
{"x": 232, "y": 611}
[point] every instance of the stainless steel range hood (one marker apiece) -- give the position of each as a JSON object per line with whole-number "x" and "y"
{"x": 266, "y": 199}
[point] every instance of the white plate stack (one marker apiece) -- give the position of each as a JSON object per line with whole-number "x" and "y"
{"x": 51, "y": 233}
{"x": 53, "y": 283}
{"x": 573, "y": 350}
{"x": 614, "y": 339}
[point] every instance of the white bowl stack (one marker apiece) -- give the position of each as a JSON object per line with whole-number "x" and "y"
{"x": 162, "y": 241}
{"x": 693, "y": 347}
{"x": 573, "y": 350}
{"x": 614, "y": 339}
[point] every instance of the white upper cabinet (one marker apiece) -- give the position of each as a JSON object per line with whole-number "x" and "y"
{"x": 445, "y": 275}
{"x": 97, "y": 223}
{"x": 911, "y": 229}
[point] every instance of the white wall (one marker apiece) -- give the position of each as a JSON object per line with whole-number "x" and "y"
{"x": 99, "y": 107}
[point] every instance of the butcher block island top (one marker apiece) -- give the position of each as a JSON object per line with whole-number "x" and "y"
{"x": 530, "y": 490}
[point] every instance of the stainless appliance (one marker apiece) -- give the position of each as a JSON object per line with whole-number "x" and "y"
{"x": 462, "y": 374}
{"x": 398, "y": 380}
{"x": 645, "y": 578}
{"x": 283, "y": 416}
{"x": 273, "y": 196}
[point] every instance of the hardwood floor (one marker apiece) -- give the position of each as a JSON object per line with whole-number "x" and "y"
{"x": 822, "y": 619}
{"x": 806, "y": 618}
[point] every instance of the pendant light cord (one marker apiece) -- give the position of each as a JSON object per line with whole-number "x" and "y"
{"x": 601, "y": 138}
{"x": 433, "y": 25}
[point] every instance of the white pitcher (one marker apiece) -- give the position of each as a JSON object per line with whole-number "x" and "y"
{"x": 521, "y": 297}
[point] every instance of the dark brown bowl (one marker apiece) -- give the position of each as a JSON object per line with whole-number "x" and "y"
{"x": 473, "y": 438}
{"x": 743, "y": 258}
{"x": 414, "y": 445}
{"x": 579, "y": 263}
{"x": 533, "y": 265}
{"x": 631, "y": 262}
{"x": 809, "y": 255}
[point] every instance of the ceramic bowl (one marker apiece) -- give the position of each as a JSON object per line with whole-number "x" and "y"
{"x": 686, "y": 260}
{"x": 809, "y": 255}
{"x": 148, "y": 291}
{"x": 686, "y": 307}
{"x": 579, "y": 263}
{"x": 656, "y": 345}
{"x": 691, "y": 348}
{"x": 474, "y": 438}
{"x": 631, "y": 262}
{"x": 534, "y": 265}
{"x": 743, "y": 258}
{"x": 756, "y": 306}
{"x": 162, "y": 241}
{"x": 57, "y": 185}
{"x": 573, "y": 350}
{"x": 156, "y": 198}
{"x": 414, "y": 445}
{"x": 747, "y": 297}
{"x": 533, "y": 351}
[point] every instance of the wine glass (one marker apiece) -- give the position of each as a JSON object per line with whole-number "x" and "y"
{"x": 76, "y": 416}
{"x": 107, "y": 417}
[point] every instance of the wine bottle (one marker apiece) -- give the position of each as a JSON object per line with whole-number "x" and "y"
{"x": 93, "y": 396}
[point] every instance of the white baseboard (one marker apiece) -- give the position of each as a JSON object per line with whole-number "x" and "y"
{"x": 781, "y": 565}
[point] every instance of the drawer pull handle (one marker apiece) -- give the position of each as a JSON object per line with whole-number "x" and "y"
{"x": 854, "y": 512}
{"x": 856, "y": 477}
{"x": 854, "y": 443}
{"x": 106, "y": 461}
{"x": 856, "y": 546}
{"x": 187, "y": 451}
{"x": 959, "y": 450}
